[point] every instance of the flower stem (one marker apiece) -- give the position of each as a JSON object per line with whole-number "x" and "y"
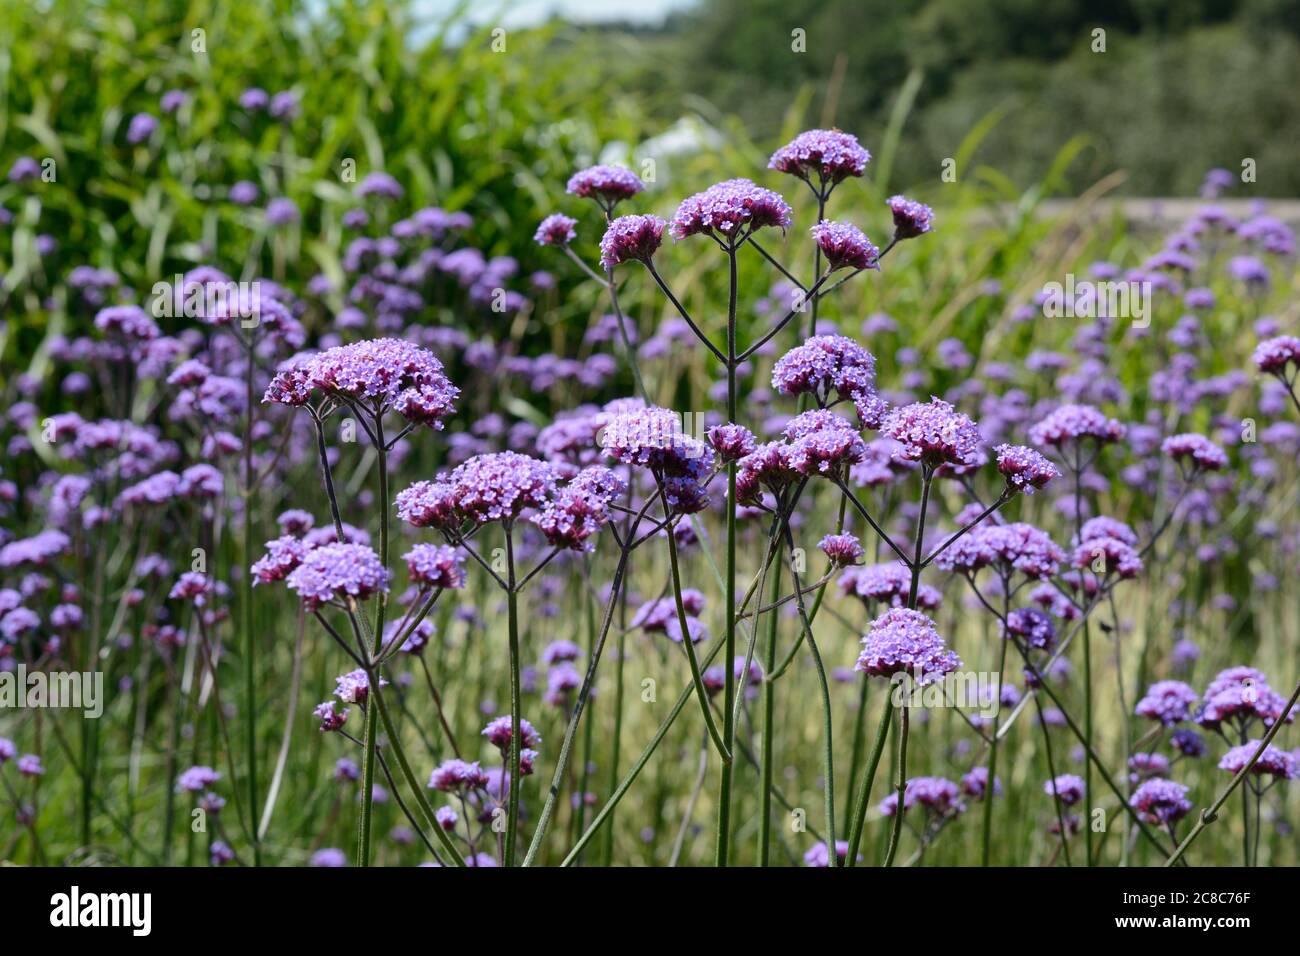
{"x": 512, "y": 623}
{"x": 868, "y": 778}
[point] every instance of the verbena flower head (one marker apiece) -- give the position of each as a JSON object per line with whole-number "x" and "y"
{"x": 631, "y": 238}
{"x": 768, "y": 468}
{"x": 354, "y": 687}
{"x": 911, "y": 218}
{"x": 197, "y": 779}
{"x": 652, "y": 437}
{"x": 842, "y": 549}
{"x": 127, "y": 321}
{"x": 337, "y": 572}
{"x": 1241, "y": 695}
{"x": 556, "y": 230}
{"x": 975, "y": 784}
{"x": 1273, "y": 762}
{"x": 458, "y": 776}
{"x": 499, "y": 486}
{"x": 728, "y": 210}
{"x": 282, "y": 556}
{"x": 1067, "y": 786}
{"x": 1199, "y": 451}
{"x": 731, "y": 442}
{"x": 499, "y": 731}
{"x": 386, "y": 373}
{"x": 845, "y": 246}
{"x": 819, "y": 856}
{"x": 1187, "y": 742}
{"x": 887, "y": 583}
{"x": 1107, "y": 556}
{"x": 1016, "y": 546}
{"x": 1030, "y": 627}
{"x": 607, "y": 185}
{"x": 1168, "y": 701}
{"x": 827, "y": 155}
{"x": 822, "y": 443}
{"x": 933, "y": 433}
{"x": 1024, "y": 468}
{"x": 938, "y": 796}
{"x": 580, "y": 509}
{"x": 435, "y": 566}
{"x": 823, "y": 365}
{"x": 1161, "y": 801}
{"x": 1104, "y": 527}
{"x": 903, "y": 641}
{"x": 1275, "y": 354}
{"x": 1074, "y": 423}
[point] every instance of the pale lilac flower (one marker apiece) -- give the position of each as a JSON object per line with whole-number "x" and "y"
{"x": 435, "y": 566}
{"x": 338, "y": 572}
{"x": 906, "y": 641}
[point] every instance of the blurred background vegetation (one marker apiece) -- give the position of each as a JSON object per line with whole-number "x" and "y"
{"x": 1183, "y": 85}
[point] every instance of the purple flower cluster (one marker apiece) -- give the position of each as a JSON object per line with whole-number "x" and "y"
{"x": 1161, "y": 801}
{"x": 1168, "y": 701}
{"x": 1203, "y": 454}
{"x": 827, "y": 154}
{"x": 938, "y": 796}
{"x": 729, "y": 210}
{"x": 845, "y": 246}
{"x": 911, "y": 218}
{"x": 1009, "y": 547}
{"x": 607, "y": 185}
{"x": 385, "y": 373}
{"x": 556, "y": 230}
{"x": 631, "y": 238}
{"x": 336, "y": 573}
{"x": 903, "y": 641}
{"x": 933, "y": 433}
{"x": 1024, "y": 468}
{"x": 1074, "y": 423}
{"x": 887, "y": 583}
{"x": 435, "y": 566}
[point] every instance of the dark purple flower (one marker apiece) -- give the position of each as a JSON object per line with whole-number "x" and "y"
{"x": 629, "y": 238}
{"x": 607, "y": 185}
{"x": 1161, "y": 801}
{"x": 845, "y": 246}
{"x": 728, "y": 210}
{"x": 911, "y": 218}
{"x": 827, "y": 154}
{"x": 1024, "y": 468}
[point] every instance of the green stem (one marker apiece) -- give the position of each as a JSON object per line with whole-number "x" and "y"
{"x": 769, "y": 723}
{"x": 868, "y": 778}
{"x": 729, "y": 650}
{"x": 986, "y": 843}
{"x": 512, "y": 617}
